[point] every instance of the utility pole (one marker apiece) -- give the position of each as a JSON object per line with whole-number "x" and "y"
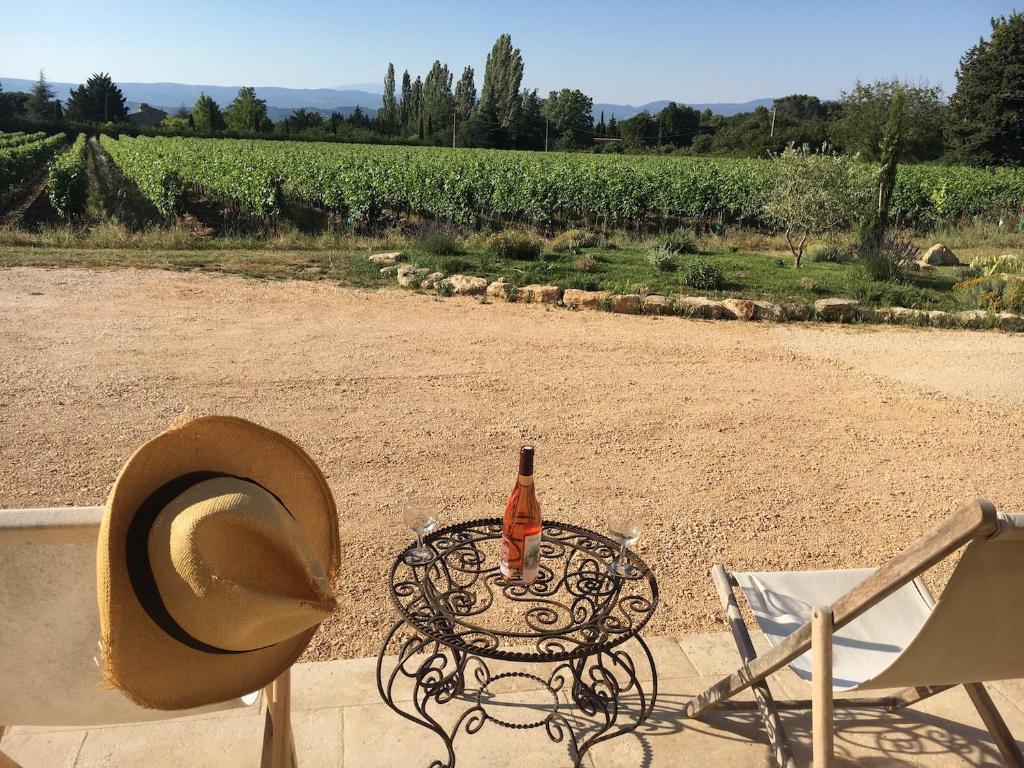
{"x": 547, "y": 124}
{"x": 773, "y": 121}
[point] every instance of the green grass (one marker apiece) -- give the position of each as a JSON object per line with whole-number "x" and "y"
{"x": 624, "y": 269}
{"x": 747, "y": 275}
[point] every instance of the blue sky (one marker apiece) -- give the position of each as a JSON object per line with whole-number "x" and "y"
{"x": 614, "y": 51}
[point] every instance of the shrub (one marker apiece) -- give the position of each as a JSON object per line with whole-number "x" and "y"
{"x": 678, "y": 241}
{"x": 884, "y": 260}
{"x": 574, "y": 240}
{"x": 438, "y": 240}
{"x": 444, "y": 288}
{"x": 586, "y": 264}
{"x": 815, "y": 194}
{"x": 514, "y": 244}
{"x": 1007, "y": 264}
{"x": 703, "y": 275}
{"x": 453, "y": 266}
{"x": 664, "y": 259}
{"x": 833, "y": 251}
{"x": 996, "y": 294}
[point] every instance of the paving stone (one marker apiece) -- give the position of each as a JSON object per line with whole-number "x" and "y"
{"x": 341, "y": 683}
{"x": 210, "y": 743}
{"x": 47, "y": 749}
{"x": 944, "y": 730}
{"x": 319, "y": 735}
{"x": 669, "y": 740}
{"x": 408, "y": 744}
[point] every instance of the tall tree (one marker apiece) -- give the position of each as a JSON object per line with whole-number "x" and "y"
{"x": 99, "y": 100}
{"x": 639, "y": 131}
{"x": 987, "y": 108}
{"x": 41, "y": 103}
{"x": 465, "y": 95}
{"x": 482, "y": 129}
{"x": 613, "y": 128}
{"x": 438, "y": 104}
{"x": 503, "y": 75}
{"x": 416, "y": 122}
{"x": 601, "y": 129}
{"x": 861, "y": 123}
{"x": 388, "y": 115}
{"x": 303, "y": 119}
{"x": 206, "y": 114}
{"x": 677, "y": 125}
{"x": 529, "y": 132}
{"x": 570, "y": 115}
{"x": 247, "y": 112}
{"x": 405, "y": 105}
{"x": 877, "y": 219}
{"x": 357, "y": 118}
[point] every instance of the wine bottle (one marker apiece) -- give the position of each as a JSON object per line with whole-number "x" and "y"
{"x": 521, "y": 527}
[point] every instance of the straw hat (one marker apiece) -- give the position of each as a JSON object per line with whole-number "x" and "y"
{"x": 214, "y": 563}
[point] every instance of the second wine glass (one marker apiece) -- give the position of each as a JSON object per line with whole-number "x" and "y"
{"x": 420, "y": 515}
{"x": 624, "y": 529}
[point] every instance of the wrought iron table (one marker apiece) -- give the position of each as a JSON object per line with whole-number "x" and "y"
{"x": 458, "y": 613}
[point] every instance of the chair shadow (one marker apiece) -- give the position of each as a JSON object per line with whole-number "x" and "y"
{"x": 863, "y": 737}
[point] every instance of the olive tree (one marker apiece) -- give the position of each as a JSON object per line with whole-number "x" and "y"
{"x": 815, "y": 193}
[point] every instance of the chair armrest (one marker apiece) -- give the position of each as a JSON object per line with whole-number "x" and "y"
{"x": 50, "y": 525}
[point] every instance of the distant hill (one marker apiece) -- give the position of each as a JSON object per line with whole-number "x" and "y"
{"x": 626, "y": 111}
{"x": 173, "y": 95}
{"x": 281, "y": 101}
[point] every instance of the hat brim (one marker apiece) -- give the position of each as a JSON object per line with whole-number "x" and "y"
{"x": 152, "y": 668}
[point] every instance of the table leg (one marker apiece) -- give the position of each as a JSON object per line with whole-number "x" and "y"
{"x": 598, "y": 683}
{"x": 436, "y": 679}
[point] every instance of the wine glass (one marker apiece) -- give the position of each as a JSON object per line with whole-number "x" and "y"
{"x": 420, "y": 515}
{"x": 624, "y": 528}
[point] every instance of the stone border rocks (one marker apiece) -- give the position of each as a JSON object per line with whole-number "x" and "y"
{"x": 830, "y": 310}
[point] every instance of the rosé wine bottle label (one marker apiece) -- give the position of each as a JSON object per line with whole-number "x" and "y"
{"x": 531, "y": 556}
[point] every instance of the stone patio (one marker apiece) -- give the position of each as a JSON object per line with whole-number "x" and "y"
{"x": 339, "y": 720}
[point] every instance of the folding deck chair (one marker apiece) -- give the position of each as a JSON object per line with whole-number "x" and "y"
{"x": 49, "y": 636}
{"x": 870, "y": 629}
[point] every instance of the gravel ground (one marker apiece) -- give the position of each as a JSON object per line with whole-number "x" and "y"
{"x": 753, "y": 445}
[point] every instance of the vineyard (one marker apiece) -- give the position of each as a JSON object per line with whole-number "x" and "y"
{"x": 23, "y": 156}
{"x": 471, "y": 186}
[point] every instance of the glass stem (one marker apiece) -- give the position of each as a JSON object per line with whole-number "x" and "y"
{"x": 419, "y": 540}
{"x": 622, "y": 554}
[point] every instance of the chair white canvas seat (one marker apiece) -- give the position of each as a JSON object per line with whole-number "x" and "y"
{"x": 861, "y": 650}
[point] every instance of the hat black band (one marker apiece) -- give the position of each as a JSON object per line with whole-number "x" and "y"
{"x": 140, "y": 570}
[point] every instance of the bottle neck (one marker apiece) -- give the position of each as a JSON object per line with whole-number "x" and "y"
{"x": 525, "y": 480}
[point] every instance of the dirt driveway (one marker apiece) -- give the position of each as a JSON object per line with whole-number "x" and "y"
{"x": 753, "y": 445}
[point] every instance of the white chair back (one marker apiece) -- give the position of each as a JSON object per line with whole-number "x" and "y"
{"x": 49, "y": 625}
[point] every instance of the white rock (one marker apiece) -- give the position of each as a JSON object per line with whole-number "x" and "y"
{"x": 385, "y": 259}
{"x": 656, "y": 304}
{"x": 698, "y": 306}
{"x": 539, "y": 294}
{"x": 410, "y": 276}
{"x": 841, "y": 310}
{"x": 626, "y": 304}
{"x": 466, "y": 285}
{"x": 501, "y": 289}
{"x": 432, "y": 279}
{"x": 940, "y": 255}
{"x": 577, "y": 299}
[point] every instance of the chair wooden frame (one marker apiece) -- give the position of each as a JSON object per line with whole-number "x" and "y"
{"x": 977, "y": 520}
{"x": 74, "y": 523}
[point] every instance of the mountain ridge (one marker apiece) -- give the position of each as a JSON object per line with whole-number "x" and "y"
{"x": 281, "y": 101}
